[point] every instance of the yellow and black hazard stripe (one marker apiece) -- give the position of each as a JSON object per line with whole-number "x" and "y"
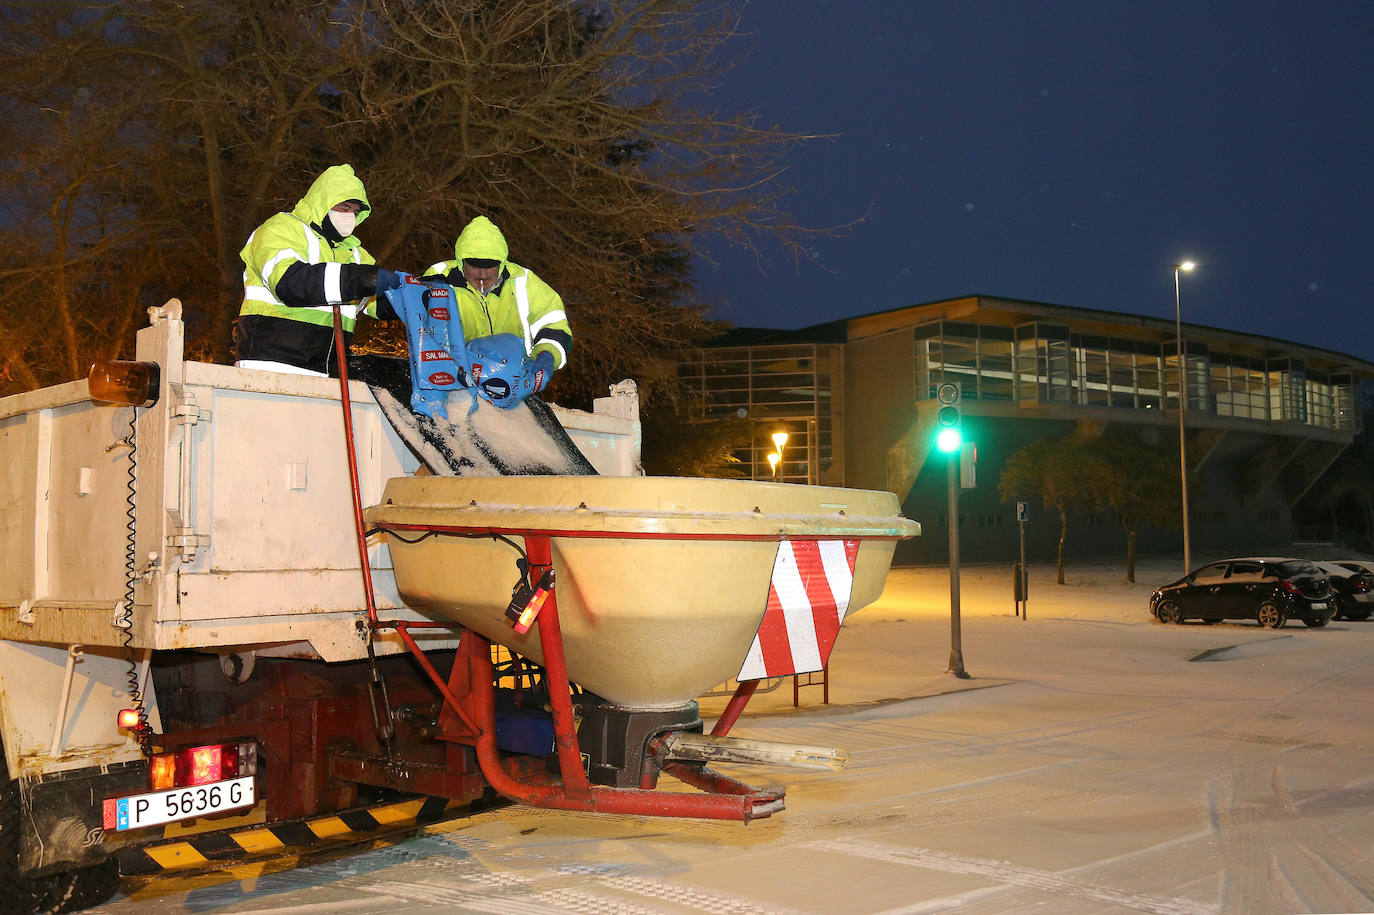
{"x": 227, "y": 846}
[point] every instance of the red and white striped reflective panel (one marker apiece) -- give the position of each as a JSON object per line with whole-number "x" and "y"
{"x": 807, "y": 600}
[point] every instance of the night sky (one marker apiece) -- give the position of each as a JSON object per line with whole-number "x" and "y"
{"x": 1069, "y": 151}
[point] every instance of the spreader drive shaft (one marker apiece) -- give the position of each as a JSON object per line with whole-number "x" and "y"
{"x": 689, "y": 747}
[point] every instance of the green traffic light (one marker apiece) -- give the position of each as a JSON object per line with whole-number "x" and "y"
{"x": 949, "y": 440}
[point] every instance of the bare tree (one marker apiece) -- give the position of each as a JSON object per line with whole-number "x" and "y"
{"x": 572, "y": 125}
{"x": 1140, "y": 483}
{"x": 76, "y": 261}
{"x": 1062, "y": 473}
{"x": 677, "y": 445}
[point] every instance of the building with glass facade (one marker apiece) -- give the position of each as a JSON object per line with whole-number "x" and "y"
{"x": 1263, "y": 418}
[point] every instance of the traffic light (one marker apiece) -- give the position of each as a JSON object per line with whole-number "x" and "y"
{"x": 948, "y": 437}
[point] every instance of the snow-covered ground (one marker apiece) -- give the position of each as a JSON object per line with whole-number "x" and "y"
{"x": 1095, "y": 761}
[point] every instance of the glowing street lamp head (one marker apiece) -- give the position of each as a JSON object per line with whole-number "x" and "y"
{"x": 779, "y": 439}
{"x": 773, "y": 459}
{"x": 1185, "y": 266}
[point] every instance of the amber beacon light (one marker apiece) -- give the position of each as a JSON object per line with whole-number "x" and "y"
{"x": 132, "y": 383}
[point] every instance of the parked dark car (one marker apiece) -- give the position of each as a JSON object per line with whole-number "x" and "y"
{"x": 1270, "y": 591}
{"x": 1352, "y": 588}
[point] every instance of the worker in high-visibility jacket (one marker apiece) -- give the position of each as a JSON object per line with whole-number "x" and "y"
{"x": 296, "y": 266}
{"x": 495, "y": 297}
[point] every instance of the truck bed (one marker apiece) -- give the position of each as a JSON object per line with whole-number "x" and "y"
{"x": 239, "y": 500}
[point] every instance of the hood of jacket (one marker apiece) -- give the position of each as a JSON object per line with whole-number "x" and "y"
{"x": 335, "y": 185}
{"x": 482, "y": 240}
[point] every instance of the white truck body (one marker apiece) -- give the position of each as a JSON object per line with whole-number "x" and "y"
{"x": 243, "y": 535}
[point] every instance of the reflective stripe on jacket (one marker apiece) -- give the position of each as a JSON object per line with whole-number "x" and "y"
{"x": 521, "y": 304}
{"x": 290, "y": 238}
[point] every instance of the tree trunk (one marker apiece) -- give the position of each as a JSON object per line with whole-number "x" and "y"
{"x": 1130, "y": 555}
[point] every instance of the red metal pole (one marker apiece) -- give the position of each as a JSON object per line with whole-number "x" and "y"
{"x": 734, "y": 707}
{"x": 539, "y": 551}
{"x": 358, "y": 525}
{"x": 438, "y": 681}
{"x": 734, "y": 806}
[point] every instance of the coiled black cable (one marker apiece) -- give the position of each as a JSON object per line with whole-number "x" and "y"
{"x": 142, "y": 731}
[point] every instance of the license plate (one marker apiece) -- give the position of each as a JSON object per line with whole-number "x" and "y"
{"x": 1319, "y": 606}
{"x": 161, "y": 807}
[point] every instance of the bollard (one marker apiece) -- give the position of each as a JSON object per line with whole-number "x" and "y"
{"x": 1019, "y": 586}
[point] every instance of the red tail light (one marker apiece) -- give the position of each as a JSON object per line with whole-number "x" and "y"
{"x": 203, "y": 765}
{"x": 206, "y": 764}
{"x": 1288, "y": 586}
{"x": 1361, "y": 584}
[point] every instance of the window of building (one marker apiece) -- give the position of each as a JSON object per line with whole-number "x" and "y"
{"x": 995, "y": 378}
{"x": 979, "y": 358}
{"x": 1149, "y": 374}
{"x": 959, "y": 357}
{"x": 1321, "y": 402}
{"x": 1043, "y": 363}
{"x": 1346, "y": 416}
{"x": 1238, "y": 387}
{"x": 1121, "y": 379}
{"x": 1090, "y": 353}
{"x": 784, "y": 388}
{"x": 1026, "y": 364}
{"x": 1287, "y": 390}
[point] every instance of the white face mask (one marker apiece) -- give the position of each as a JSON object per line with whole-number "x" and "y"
{"x": 343, "y": 222}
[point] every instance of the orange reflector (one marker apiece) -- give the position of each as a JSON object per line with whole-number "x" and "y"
{"x": 128, "y": 718}
{"x": 162, "y": 773}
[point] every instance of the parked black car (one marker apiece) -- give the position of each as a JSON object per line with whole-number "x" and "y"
{"x": 1271, "y": 591}
{"x": 1352, "y": 586}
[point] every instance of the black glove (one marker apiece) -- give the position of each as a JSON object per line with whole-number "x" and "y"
{"x": 358, "y": 281}
{"x": 387, "y": 280}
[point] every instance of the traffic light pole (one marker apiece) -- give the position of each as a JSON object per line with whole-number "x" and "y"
{"x": 956, "y": 648}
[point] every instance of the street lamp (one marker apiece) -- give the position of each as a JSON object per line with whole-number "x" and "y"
{"x": 1185, "y": 266}
{"x": 779, "y": 439}
{"x": 773, "y": 458}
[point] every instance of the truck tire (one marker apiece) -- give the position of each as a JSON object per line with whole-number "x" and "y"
{"x": 69, "y": 891}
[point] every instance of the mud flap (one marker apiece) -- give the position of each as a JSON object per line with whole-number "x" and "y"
{"x": 62, "y": 816}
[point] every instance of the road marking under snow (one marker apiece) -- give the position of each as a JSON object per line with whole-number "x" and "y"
{"x": 1013, "y": 875}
